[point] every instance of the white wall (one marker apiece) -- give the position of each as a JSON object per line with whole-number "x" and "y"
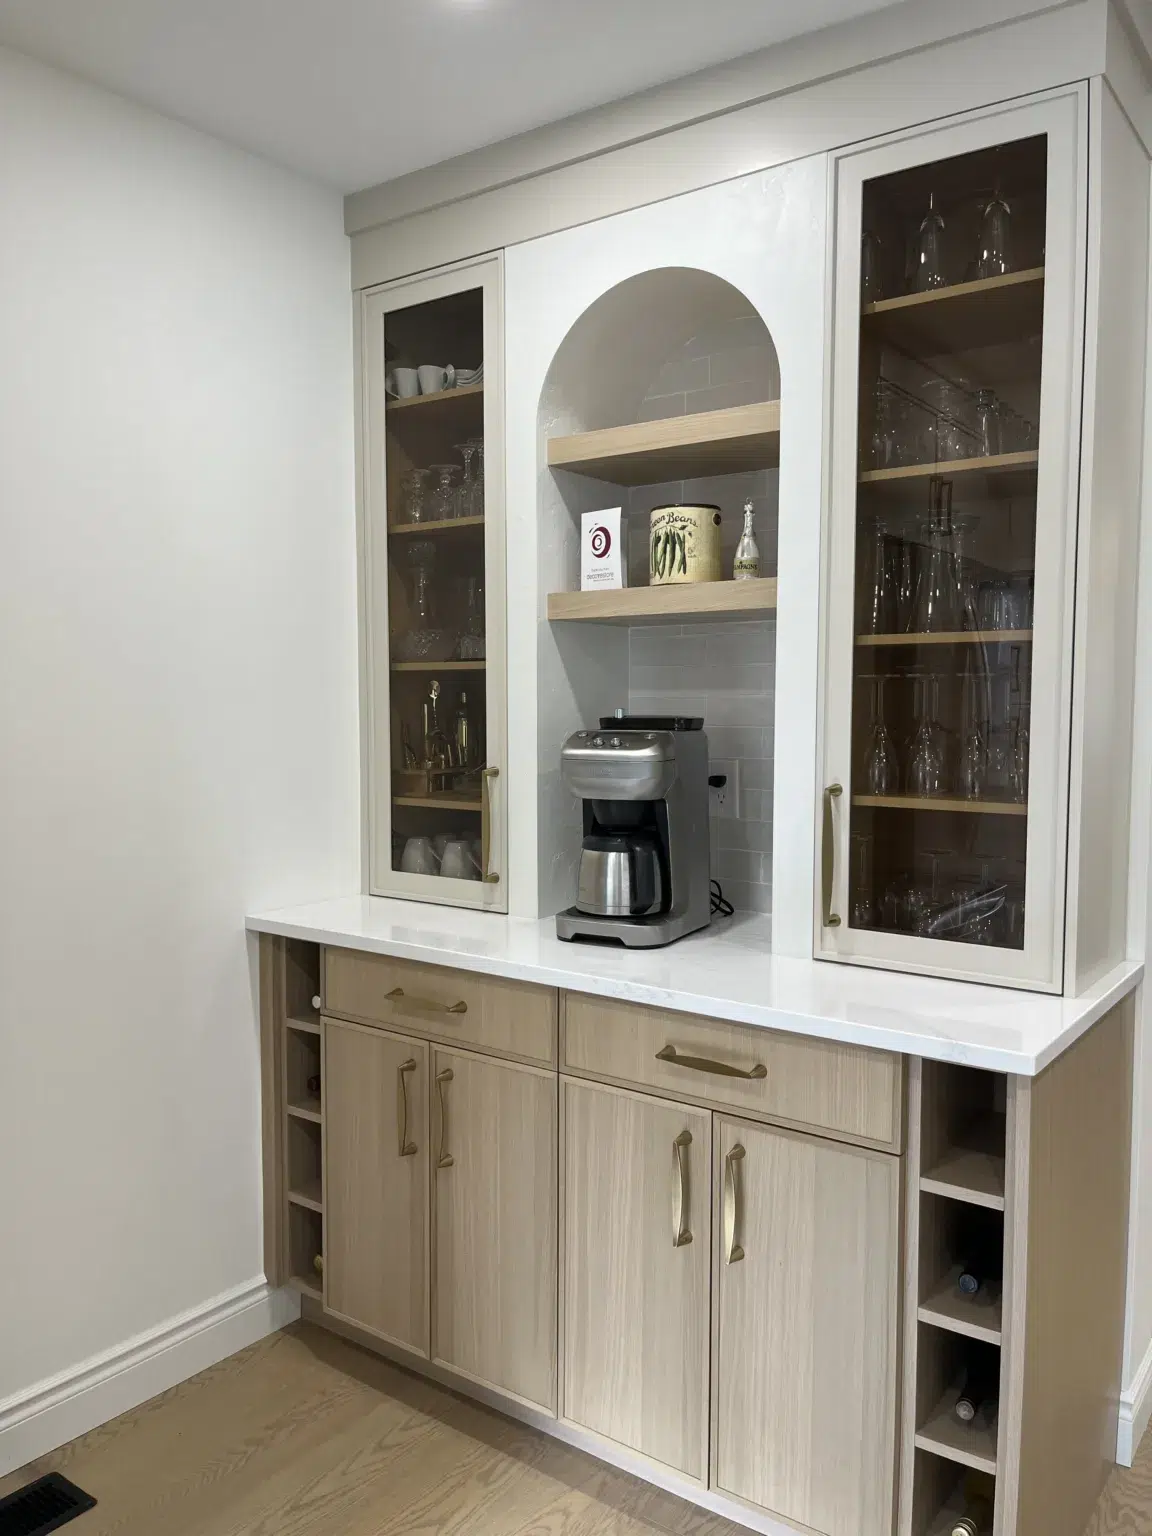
{"x": 178, "y": 694}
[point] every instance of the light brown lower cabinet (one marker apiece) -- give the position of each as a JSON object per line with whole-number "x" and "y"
{"x": 636, "y": 1234}
{"x": 494, "y": 1223}
{"x": 806, "y": 1327}
{"x": 376, "y": 1182}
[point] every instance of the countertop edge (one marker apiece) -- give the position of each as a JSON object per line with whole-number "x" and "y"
{"x": 1094, "y": 1003}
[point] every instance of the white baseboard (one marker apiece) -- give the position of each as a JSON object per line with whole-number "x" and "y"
{"x": 48, "y": 1415}
{"x": 1135, "y": 1411}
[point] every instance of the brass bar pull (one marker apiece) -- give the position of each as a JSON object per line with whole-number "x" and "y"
{"x": 445, "y": 1160}
{"x": 422, "y": 1005}
{"x": 407, "y": 1147}
{"x": 706, "y": 1064}
{"x": 486, "y": 827}
{"x": 681, "y": 1233}
{"x": 733, "y": 1252}
{"x": 828, "y": 857}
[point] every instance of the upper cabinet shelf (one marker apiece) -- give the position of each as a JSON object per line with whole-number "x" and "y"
{"x": 444, "y": 397}
{"x": 752, "y": 599}
{"x": 987, "y": 312}
{"x": 744, "y": 437}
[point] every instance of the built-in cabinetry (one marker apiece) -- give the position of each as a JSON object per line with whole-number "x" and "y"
{"x": 431, "y": 440}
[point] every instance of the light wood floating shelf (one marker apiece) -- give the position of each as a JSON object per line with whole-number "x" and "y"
{"x": 741, "y": 438}
{"x": 751, "y": 599}
{"x": 970, "y": 1445}
{"x": 965, "y": 637}
{"x": 438, "y": 666}
{"x": 976, "y": 1317}
{"x": 308, "y": 1195}
{"x": 306, "y": 1109}
{"x": 446, "y": 802}
{"x": 441, "y": 525}
{"x": 951, "y": 469}
{"x": 972, "y": 1173}
{"x": 912, "y": 803}
{"x": 465, "y": 392}
{"x": 986, "y": 312}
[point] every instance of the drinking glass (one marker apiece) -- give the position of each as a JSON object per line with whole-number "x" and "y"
{"x": 973, "y": 771}
{"x": 477, "y": 497}
{"x": 930, "y": 250}
{"x": 881, "y": 774}
{"x": 863, "y": 912}
{"x": 467, "y": 452}
{"x": 1001, "y": 762}
{"x": 883, "y": 448}
{"x": 871, "y": 284}
{"x": 995, "y": 254}
{"x": 987, "y": 423}
{"x": 877, "y": 617}
{"x": 415, "y": 507}
{"x": 950, "y": 434}
{"x": 443, "y": 499}
{"x": 925, "y": 763}
{"x": 903, "y": 553}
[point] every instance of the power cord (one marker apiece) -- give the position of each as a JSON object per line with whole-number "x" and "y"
{"x": 720, "y": 903}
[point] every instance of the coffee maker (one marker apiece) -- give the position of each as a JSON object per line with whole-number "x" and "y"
{"x": 644, "y": 861}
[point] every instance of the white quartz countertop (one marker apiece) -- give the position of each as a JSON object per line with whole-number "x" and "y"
{"x": 726, "y": 972}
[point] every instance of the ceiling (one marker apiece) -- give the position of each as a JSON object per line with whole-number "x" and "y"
{"x": 354, "y": 92}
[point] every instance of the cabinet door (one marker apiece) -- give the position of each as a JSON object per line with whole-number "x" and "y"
{"x": 376, "y": 1182}
{"x": 807, "y": 1307}
{"x": 433, "y": 537}
{"x": 636, "y": 1223}
{"x": 955, "y": 456}
{"x": 494, "y": 1224}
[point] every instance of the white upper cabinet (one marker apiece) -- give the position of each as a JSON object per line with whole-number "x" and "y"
{"x": 432, "y": 479}
{"x": 951, "y": 547}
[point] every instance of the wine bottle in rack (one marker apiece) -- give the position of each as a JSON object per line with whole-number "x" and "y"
{"x": 977, "y": 1402}
{"x": 977, "y": 1517}
{"x": 980, "y": 1264}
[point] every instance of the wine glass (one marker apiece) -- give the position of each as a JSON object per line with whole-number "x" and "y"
{"x": 877, "y": 617}
{"x": 926, "y": 759}
{"x": 987, "y": 423}
{"x": 995, "y": 256}
{"x": 443, "y": 499}
{"x": 413, "y": 496}
{"x": 930, "y": 250}
{"x": 467, "y": 451}
{"x": 880, "y": 765}
{"x": 477, "y": 500}
{"x": 973, "y": 772}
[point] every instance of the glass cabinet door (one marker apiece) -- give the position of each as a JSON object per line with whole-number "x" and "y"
{"x": 433, "y": 533}
{"x": 952, "y": 529}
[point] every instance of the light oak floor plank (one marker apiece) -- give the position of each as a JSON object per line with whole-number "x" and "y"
{"x": 305, "y": 1434}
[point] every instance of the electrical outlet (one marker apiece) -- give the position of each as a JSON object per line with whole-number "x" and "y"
{"x": 725, "y": 801}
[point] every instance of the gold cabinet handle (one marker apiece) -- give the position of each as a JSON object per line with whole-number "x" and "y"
{"x": 445, "y": 1160}
{"x": 704, "y": 1064}
{"x": 407, "y": 1147}
{"x": 832, "y": 792}
{"x": 733, "y": 1252}
{"x": 486, "y": 827}
{"x": 681, "y": 1233}
{"x": 422, "y": 1004}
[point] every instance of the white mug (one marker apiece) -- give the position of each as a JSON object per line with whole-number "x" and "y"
{"x": 434, "y": 379}
{"x": 419, "y": 857}
{"x": 441, "y": 841}
{"x": 403, "y": 383}
{"x": 458, "y": 863}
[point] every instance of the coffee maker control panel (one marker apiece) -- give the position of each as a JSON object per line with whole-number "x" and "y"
{"x": 629, "y": 765}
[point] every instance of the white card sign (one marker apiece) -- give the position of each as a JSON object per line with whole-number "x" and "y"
{"x": 603, "y": 558}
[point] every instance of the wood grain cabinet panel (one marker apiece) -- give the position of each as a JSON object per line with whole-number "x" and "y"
{"x": 843, "y": 1089}
{"x": 376, "y": 1182}
{"x": 806, "y": 1346}
{"x": 636, "y": 1242}
{"x": 508, "y": 1018}
{"x": 494, "y": 1223}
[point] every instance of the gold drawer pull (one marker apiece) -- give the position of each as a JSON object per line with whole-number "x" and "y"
{"x": 704, "y": 1064}
{"x": 681, "y": 1233}
{"x": 733, "y": 1252}
{"x": 445, "y": 1160}
{"x": 407, "y": 1147}
{"x": 422, "y": 1005}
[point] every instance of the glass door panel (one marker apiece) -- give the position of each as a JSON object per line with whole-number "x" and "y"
{"x": 934, "y": 835}
{"x": 439, "y": 719}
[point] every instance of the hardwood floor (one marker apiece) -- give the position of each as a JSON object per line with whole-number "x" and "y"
{"x": 307, "y": 1435}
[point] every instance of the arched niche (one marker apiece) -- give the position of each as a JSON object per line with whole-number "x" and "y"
{"x": 673, "y": 341}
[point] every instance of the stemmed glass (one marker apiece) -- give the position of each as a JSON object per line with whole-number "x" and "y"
{"x": 880, "y": 766}
{"x": 974, "y": 746}
{"x": 415, "y": 506}
{"x": 926, "y": 749}
{"x": 930, "y": 250}
{"x": 877, "y": 617}
{"x": 477, "y": 500}
{"x": 467, "y": 451}
{"x": 995, "y": 258}
{"x": 443, "y": 500}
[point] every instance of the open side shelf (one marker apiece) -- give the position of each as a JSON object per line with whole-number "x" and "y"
{"x": 972, "y": 1445}
{"x": 732, "y": 441}
{"x": 750, "y": 599}
{"x": 972, "y": 1169}
{"x": 976, "y": 1317}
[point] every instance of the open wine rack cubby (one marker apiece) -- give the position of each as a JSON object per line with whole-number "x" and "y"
{"x": 958, "y": 1273}
{"x": 294, "y": 1113}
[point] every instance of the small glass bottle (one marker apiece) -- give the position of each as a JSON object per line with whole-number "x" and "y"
{"x": 746, "y": 565}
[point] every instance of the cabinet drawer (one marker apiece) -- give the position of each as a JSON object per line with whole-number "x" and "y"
{"x": 842, "y": 1089}
{"x": 508, "y": 1018}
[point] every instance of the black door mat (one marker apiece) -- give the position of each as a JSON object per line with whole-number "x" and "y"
{"x": 43, "y": 1506}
